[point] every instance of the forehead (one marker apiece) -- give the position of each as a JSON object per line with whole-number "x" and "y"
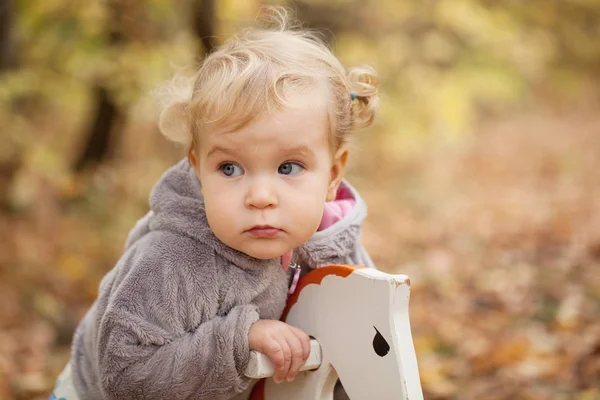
{"x": 302, "y": 121}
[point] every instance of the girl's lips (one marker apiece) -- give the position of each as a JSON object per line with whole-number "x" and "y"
{"x": 264, "y": 231}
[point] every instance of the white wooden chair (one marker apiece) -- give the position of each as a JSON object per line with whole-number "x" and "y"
{"x": 359, "y": 320}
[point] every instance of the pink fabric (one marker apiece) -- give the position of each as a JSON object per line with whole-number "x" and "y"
{"x": 337, "y": 209}
{"x": 295, "y": 280}
{"x": 286, "y": 259}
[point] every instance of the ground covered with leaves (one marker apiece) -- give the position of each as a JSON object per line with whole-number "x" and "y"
{"x": 501, "y": 237}
{"x": 499, "y": 233}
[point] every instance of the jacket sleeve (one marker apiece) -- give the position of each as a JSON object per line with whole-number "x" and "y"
{"x": 146, "y": 351}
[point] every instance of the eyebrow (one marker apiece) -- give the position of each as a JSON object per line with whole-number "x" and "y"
{"x": 220, "y": 149}
{"x": 301, "y": 150}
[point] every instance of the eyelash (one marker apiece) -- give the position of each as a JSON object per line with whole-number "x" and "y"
{"x": 293, "y": 162}
{"x": 220, "y": 166}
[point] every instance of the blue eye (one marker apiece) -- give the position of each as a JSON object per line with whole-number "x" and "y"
{"x": 290, "y": 168}
{"x": 230, "y": 169}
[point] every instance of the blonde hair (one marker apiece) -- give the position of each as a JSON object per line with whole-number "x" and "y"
{"x": 254, "y": 72}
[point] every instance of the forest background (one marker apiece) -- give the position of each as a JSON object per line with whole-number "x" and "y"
{"x": 480, "y": 173}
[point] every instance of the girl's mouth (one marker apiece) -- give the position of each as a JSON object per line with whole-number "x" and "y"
{"x": 264, "y": 231}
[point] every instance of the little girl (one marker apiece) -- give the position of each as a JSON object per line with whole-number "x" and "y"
{"x": 204, "y": 276}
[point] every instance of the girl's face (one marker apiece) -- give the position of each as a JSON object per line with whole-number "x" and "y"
{"x": 266, "y": 184}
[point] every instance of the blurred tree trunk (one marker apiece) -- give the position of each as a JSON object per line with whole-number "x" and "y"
{"x": 6, "y": 35}
{"x": 102, "y": 128}
{"x": 11, "y": 156}
{"x": 203, "y": 24}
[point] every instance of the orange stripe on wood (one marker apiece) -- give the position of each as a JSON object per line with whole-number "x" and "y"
{"x": 315, "y": 277}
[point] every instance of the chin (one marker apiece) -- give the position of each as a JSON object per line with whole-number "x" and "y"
{"x": 264, "y": 252}
{"x": 265, "y": 255}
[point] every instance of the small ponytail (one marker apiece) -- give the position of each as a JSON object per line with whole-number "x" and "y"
{"x": 172, "y": 123}
{"x": 173, "y": 98}
{"x": 364, "y": 82}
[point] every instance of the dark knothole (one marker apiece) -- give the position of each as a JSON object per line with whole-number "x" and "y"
{"x": 380, "y": 345}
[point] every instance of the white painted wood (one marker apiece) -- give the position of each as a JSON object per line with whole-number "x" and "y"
{"x": 344, "y": 315}
{"x": 260, "y": 366}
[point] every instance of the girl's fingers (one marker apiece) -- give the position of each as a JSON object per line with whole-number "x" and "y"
{"x": 286, "y": 354}
{"x": 304, "y": 340}
{"x": 297, "y": 353}
{"x": 273, "y": 350}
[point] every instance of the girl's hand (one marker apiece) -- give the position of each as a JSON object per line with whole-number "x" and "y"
{"x": 286, "y": 346}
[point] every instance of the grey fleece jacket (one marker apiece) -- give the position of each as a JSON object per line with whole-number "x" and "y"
{"x": 172, "y": 317}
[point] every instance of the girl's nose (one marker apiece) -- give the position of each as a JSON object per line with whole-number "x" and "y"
{"x": 261, "y": 194}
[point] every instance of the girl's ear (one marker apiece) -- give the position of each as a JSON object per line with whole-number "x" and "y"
{"x": 193, "y": 158}
{"x": 337, "y": 172}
